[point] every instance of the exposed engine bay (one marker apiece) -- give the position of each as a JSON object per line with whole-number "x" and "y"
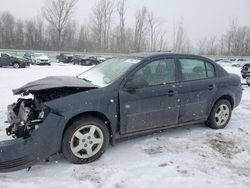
{"x": 25, "y": 115}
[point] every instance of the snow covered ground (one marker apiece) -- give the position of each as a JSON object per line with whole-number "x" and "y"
{"x": 190, "y": 156}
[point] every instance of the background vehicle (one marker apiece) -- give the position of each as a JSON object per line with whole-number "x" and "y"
{"x": 128, "y": 96}
{"x": 239, "y": 62}
{"x": 86, "y": 61}
{"x": 245, "y": 71}
{"x": 224, "y": 62}
{"x": 28, "y": 56}
{"x": 65, "y": 57}
{"x": 41, "y": 59}
{"x": 10, "y": 60}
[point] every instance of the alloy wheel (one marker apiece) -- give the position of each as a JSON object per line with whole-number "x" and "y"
{"x": 86, "y": 141}
{"x": 222, "y": 114}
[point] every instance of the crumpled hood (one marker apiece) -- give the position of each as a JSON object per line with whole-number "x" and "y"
{"x": 53, "y": 82}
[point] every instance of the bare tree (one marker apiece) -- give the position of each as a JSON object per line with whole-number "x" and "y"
{"x": 202, "y": 46}
{"x": 153, "y": 31}
{"x": 1, "y": 33}
{"x": 141, "y": 26}
{"x": 8, "y": 25}
{"x": 121, "y": 9}
{"x": 108, "y": 13}
{"x": 69, "y": 36}
{"x": 178, "y": 38}
{"x": 40, "y": 34}
{"x": 162, "y": 43}
{"x": 101, "y": 23}
{"x": 100, "y": 34}
{"x": 19, "y": 34}
{"x": 58, "y": 13}
{"x": 84, "y": 43}
{"x": 97, "y": 25}
{"x": 30, "y": 31}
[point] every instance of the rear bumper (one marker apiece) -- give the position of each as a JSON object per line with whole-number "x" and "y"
{"x": 238, "y": 96}
{"x": 22, "y": 153}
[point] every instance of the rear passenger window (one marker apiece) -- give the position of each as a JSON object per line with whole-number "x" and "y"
{"x": 193, "y": 69}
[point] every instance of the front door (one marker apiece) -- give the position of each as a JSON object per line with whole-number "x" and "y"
{"x": 156, "y": 103}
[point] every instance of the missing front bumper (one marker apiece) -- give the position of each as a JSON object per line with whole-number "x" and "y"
{"x": 22, "y": 153}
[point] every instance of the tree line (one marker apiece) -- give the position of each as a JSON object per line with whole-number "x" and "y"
{"x": 107, "y": 30}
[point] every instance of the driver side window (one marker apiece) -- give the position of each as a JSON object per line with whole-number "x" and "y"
{"x": 158, "y": 72}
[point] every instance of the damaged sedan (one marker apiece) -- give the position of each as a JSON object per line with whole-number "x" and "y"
{"x": 122, "y": 98}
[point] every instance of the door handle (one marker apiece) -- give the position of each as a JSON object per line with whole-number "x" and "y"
{"x": 211, "y": 87}
{"x": 171, "y": 93}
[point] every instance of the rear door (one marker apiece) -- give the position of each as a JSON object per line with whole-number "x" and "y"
{"x": 154, "y": 105}
{"x": 196, "y": 89}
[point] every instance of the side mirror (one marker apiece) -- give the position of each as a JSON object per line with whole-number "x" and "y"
{"x": 134, "y": 84}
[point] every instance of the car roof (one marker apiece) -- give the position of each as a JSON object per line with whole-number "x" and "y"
{"x": 144, "y": 55}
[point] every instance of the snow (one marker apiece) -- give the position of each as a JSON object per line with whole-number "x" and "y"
{"x": 189, "y": 156}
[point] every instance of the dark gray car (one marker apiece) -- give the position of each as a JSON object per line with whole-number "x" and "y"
{"x": 121, "y": 98}
{"x": 10, "y": 60}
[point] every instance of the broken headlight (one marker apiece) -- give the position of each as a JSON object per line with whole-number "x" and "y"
{"x": 43, "y": 113}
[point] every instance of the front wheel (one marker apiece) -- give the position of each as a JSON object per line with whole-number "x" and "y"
{"x": 85, "y": 140}
{"x": 220, "y": 115}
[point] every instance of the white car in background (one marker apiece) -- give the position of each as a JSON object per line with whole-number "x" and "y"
{"x": 41, "y": 59}
{"x": 223, "y": 62}
{"x": 239, "y": 62}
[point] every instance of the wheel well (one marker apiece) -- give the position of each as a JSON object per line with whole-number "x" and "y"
{"x": 98, "y": 115}
{"x": 227, "y": 97}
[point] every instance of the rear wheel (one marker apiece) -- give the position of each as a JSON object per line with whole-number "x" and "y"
{"x": 85, "y": 140}
{"x": 220, "y": 115}
{"x": 16, "y": 65}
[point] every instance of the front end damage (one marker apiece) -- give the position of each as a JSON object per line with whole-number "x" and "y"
{"x": 24, "y": 117}
{"x": 34, "y": 126}
{"x": 23, "y": 152}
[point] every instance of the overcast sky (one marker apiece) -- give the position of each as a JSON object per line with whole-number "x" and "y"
{"x": 200, "y": 17}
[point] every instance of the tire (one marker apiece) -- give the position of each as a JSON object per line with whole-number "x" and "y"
{"x": 220, "y": 115}
{"x": 16, "y": 65}
{"x": 87, "y": 150}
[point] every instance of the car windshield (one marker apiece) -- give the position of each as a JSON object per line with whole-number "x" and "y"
{"x": 107, "y": 72}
